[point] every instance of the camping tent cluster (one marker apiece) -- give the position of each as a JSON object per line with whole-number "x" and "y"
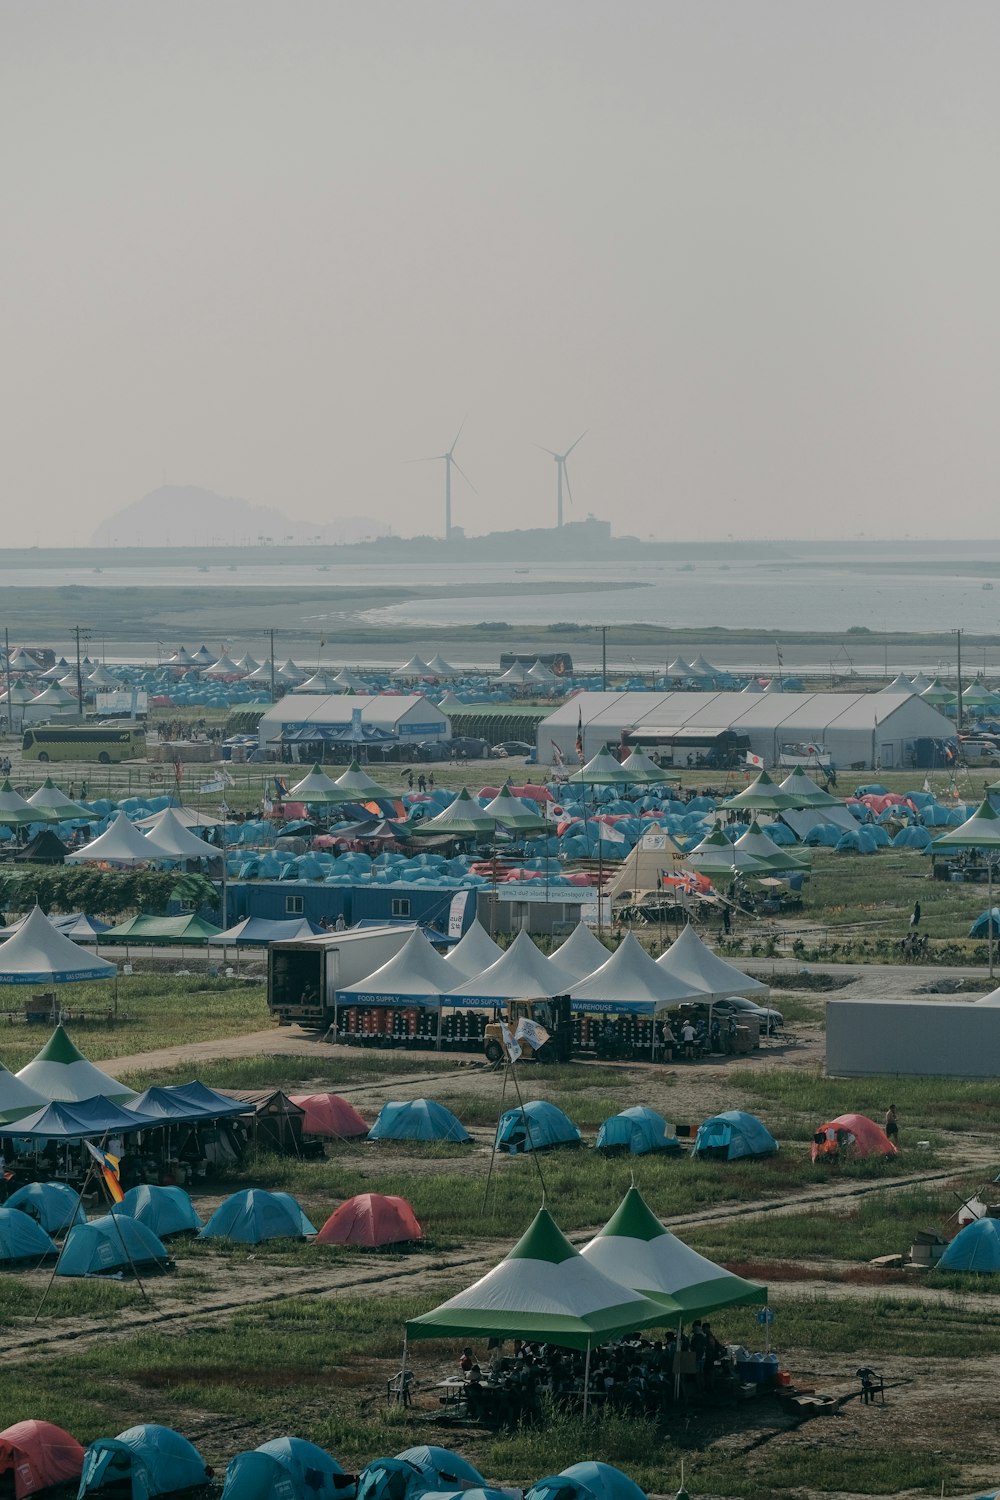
{"x": 148, "y": 1460}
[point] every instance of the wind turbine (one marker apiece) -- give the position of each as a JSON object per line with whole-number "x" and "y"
{"x": 562, "y": 475}
{"x": 450, "y": 461}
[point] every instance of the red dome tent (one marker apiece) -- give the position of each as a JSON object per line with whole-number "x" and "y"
{"x": 851, "y": 1136}
{"x": 371, "y": 1219}
{"x": 329, "y": 1114}
{"x": 38, "y": 1455}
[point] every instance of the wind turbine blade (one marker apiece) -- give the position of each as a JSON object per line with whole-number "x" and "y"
{"x": 429, "y": 458}
{"x": 458, "y": 434}
{"x": 580, "y": 439}
{"x": 569, "y": 490}
{"x": 550, "y": 451}
{"x": 465, "y": 476}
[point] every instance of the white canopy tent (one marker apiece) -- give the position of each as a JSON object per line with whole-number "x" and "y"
{"x": 691, "y": 962}
{"x": 172, "y": 840}
{"x": 39, "y": 954}
{"x": 474, "y": 952}
{"x": 120, "y": 844}
{"x": 581, "y": 953}
{"x": 521, "y": 973}
{"x": 631, "y": 983}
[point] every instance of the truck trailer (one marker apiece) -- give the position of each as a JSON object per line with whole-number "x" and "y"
{"x": 304, "y": 975}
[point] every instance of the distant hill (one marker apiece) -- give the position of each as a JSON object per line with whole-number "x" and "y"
{"x": 187, "y": 515}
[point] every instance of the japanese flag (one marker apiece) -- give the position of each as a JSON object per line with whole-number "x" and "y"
{"x": 755, "y": 760}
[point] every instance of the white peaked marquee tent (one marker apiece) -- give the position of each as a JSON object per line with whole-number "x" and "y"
{"x": 60, "y": 1072}
{"x": 635, "y": 1249}
{"x": 39, "y": 954}
{"x": 521, "y": 973}
{"x": 630, "y": 983}
{"x": 120, "y": 844}
{"x": 172, "y": 839}
{"x": 473, "y": 953}
{"x": 416, "y": 973}
{"x": 581, "y": 953}
{"x": 690, "y": 961}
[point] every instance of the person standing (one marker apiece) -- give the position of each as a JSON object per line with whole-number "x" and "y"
{"x": 915, "y": 916}
{"x": 891, "y": 1124}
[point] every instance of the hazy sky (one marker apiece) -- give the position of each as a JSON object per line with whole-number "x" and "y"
{"x": 279, "y": 249}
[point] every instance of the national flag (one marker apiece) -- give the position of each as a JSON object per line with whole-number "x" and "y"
{"x": 110, "y": 1170}
{"x": 579, "y": 735}
{"x": 280, "y": 789}
{"x": 531, "y": 1032}
{"x": 513, "y": 1047}
{"x": 557, "y": 759}
{"x": 755, "y": 760}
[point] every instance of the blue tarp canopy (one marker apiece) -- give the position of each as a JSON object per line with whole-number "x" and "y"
{"x": 175, "y": 1106}
{"x": 213, "y": 1105}
{"x": 732, "y": 1135}
{"x": 249, "y": 1217}
{"x": 153, "y": 1460}
{"x": 53, "y": 1205}
{"x": 87, "y": 1119}
{"x": 417, "y": 1120}
{"x": 115, "y": 1242}
{"x": 637, "y": 1130}
{"x": 164, "y": 1210}
{"x": 257, "y": 932}
{"x": 535, "y": 1127}
{"x": 22, "y": 1238}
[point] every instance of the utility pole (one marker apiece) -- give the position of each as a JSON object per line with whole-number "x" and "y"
{"x": 958, "y": 636}
{"x": 80, "y": 632}
{"x": 10, "y": 701}
{"x": 604, "y": 658}
{"x": 272, "y": 665}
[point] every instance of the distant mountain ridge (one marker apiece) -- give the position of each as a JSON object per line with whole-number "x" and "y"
{"x": 177, "y": 515}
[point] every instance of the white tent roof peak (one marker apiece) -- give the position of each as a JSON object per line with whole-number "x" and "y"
{"x": 172, "y": 839}
{"x": 692, "y": 962}
{"x": 39, "y": 954}
{"x": 581, "y": 953}
{"x": 416, "y": 970}
{"x": 634, "y": 980}
{"x": 474, "y": 952}
{"x": 120, "y": 844}
{"x": 521, "y": 973}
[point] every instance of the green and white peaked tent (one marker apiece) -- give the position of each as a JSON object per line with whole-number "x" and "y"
{"x": 643, "y": 771}
{"x": 53, "y": 800}
{"x": 318, "y": 789}
{"x": 463, "y": 818}
{"x": 981, "y": 831}
{"x": 636, "y": 1249}
{"x": 601, "y": 770}
{"x": 756, "y": 843}
{"x": 763, "y": 795}
{"x": 15, "y": 812}
{"x": 17, "y": 1098}
{"x": 806, "y": 792}
{"x": 61, "y": 1073}
{"x": 511, "y": 813}
{"x": 544, "y": 1290}
{"x": 355, "y": 781}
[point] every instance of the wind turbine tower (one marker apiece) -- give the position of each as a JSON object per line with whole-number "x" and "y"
{"x": 450, "y": 461}
{"x": 562, "y": 475}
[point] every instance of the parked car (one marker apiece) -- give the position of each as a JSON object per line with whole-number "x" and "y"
{"x": 979, "y": 752}
{"x": 737, "y": 1005}
{"x": 511, "y": 747}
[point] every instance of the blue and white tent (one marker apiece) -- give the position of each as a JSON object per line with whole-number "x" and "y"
{"x": 252, "y": 1216}
{"x": 115, "y": 1242}
{"x": 149, "y": 1460}
{"x": 53, "y": 1205}
{"x": 286, "y": 1468}
{"x": 22, "y": 1238}
{"x": 732, "y": 1135}
{"x": 164, "y": 1210}
{"x": 637, "y": 1130}
{"x": 417, "y": 1120}
{"x": 538, "y": 1126}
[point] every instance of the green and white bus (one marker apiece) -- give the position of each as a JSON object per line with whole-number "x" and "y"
{"x": 111, "y": 742}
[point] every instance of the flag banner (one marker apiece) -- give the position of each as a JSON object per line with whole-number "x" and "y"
{"x": 531, "y": 1032}
{"x": 513, "y": 1047}
{"x": 280, "y": 789}
{"x": 218, "y": 785}
{"x": 557, "y": 759}
{"x": 579, "y": 735}
{"x": 755, "y": 760}
{"x": 456, "y": 913}
{"x": 109, "y": 1166}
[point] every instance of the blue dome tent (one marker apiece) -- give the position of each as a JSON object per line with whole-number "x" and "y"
{"x": 539, "y": 1126}
{"x": 53, "y": 1205}
{"x": 441, "y": 1467}
{"x": 152, "y": 1460}
{"x": 112, "y": 1243}
{"x": 417, "y": 1120}
{"x": 586, "y": 1481}
{"x": 21, "y": 1238}
{"x": 733, "y": 1135}
{"x": 251, "y": 1216}
{"x": 164, "y": 1210}
{"x": 392, "y": 1479}
{"x": 637, "y": 1130}
{"x": 286, "y": 1468}
{"x": 974, "y": 1248}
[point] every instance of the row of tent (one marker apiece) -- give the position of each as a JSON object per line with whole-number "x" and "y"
{"x": 149, "y": 1460}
